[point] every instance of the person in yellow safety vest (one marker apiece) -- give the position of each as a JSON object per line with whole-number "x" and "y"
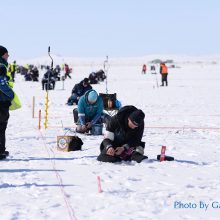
{"x": 8, "y": 100}
{"x": 26, "y": 66}
{"x": 62, "y": 66}
{"x": 164, "y": 73}
{"x": 10, "y": 79}
{"x": 12, "y": 68}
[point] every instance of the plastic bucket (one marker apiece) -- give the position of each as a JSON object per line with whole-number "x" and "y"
{"x": 97, "y": 129}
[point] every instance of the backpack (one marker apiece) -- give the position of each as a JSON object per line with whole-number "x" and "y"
{"x": 75, "y": 144}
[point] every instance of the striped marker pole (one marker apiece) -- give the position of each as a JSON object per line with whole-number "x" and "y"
{"x": 162, "y": 155}
{"x": 99, "y": 184}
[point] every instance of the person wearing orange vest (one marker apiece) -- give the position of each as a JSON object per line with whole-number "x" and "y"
{"x": 164, "y": 73}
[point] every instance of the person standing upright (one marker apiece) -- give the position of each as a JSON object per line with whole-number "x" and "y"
{"x": 13, "y": 67}
{"x": 6, "y": 96}
{"x": 144, "y": 69}
{"x": 164, "y": 73}
{"x": 67, "y": 71}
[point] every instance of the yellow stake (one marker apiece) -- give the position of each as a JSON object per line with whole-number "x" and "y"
{"x": 46, "y": 110}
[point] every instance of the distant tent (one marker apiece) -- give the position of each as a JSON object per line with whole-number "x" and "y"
{"x": 169, "y": 61}
{"x": 160, "y": 61}
{"x": 156, "y": 61}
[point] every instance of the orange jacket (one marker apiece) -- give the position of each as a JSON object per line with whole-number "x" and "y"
{"x": 163, "y": 69}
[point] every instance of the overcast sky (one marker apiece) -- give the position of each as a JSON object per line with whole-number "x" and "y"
{"x": 117, "y": 28}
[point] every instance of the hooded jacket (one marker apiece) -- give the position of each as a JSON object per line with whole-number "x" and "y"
{"x": 118, "y": 132}
{"x": 6, "y": 93}
{"x": 89, "y": 112}
{"x": 80, "y": 90}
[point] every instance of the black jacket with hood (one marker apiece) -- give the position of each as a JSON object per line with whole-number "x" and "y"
{"x": 118, "y": 133}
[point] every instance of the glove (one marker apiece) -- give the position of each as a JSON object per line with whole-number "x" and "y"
{"x": 126, "y": 154}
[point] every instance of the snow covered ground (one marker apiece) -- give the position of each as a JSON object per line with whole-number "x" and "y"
{"x": 39, "y": 182}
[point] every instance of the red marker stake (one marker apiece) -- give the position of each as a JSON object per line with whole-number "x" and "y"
{"x": 99, "y": 184}
{"x": 162, "y": 155}
{"x": 39, "y": 120}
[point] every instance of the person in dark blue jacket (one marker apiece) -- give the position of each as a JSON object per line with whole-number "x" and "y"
{"x": 48, "y": 80}
{"x": 6, "y": 96}
{"x": 79, "y": 90}
{"x": 89, "y": 112}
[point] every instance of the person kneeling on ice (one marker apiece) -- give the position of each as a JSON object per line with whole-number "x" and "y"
{"x": 79, "y": 90}
{"x": 123, "y": 136}
{"x": 89, "y": 112}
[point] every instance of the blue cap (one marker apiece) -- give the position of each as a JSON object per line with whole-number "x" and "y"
{"x": 92, "y": 96}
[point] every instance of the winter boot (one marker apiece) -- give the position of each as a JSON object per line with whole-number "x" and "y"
{"x": 6, "y": 153}
{"x": 108, "y": 158}
{"x": 2, "y": 156}
{"x": 138, "y": 157}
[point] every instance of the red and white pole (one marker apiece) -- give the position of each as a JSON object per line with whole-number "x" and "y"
{"x": 162, "y": 155}
{"x": 99, "y": 184}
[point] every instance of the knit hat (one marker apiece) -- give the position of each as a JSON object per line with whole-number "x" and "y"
{"x": 3, "y": 50}
{"x": 3, "y": 70}
{"x": 137, "y": 117}
{"x": 86, "y": 81}
{"x": 92, "y": 96}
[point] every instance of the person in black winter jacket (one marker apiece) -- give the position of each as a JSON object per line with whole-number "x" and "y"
{"x": 124, "y": 132}
{"x": 48, "y": 81}
{"x": 35, "y": 74}
{"x": 6, "y": 96}
{"x": 79, "y": 90}
{"x": 93, "y": 79}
